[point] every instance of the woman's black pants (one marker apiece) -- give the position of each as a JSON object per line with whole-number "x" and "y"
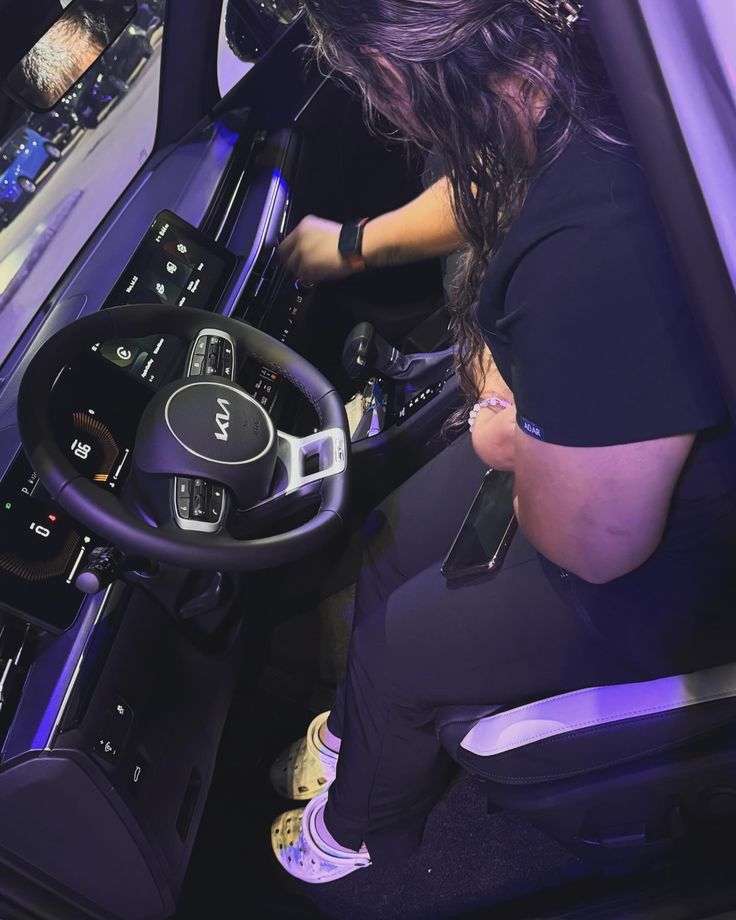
{"x": 419, "y": 644}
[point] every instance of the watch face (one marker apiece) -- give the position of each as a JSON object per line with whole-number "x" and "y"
{"x": 351, "y": 239}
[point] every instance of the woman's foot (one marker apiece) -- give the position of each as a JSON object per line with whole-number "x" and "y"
{"x": 307, "y": 767}
{"x": 302, "y": 844}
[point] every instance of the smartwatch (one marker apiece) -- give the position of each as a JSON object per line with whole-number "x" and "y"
{"x": 351, "y": 244}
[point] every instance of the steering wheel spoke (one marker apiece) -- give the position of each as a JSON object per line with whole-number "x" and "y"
{"x": 310, "y": 459}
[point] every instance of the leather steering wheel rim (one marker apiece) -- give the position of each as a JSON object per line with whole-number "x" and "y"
{"x": 103, "y": 513}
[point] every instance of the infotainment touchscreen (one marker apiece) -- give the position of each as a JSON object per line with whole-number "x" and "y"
{"x": 174, "y": 264}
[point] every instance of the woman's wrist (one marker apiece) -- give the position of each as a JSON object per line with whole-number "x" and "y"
{"x": 493, "y": 437}
{"x": 495, "y": 403}
{"x": 380, "y": 242}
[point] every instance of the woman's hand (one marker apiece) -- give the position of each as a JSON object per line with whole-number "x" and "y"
{"x": 310, "y": 252}
{"x": 493, "y": 437}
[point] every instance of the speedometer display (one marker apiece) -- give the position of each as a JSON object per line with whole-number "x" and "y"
{"x": 97, "y": 406}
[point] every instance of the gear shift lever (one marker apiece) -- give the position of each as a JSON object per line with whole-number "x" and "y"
{"x": 366, "y": 352}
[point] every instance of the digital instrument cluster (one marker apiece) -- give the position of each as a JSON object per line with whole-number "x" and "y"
{"x": 41, "y": 548}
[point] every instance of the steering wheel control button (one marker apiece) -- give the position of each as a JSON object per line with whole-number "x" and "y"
{"x": 183, "y": 497}
{"x": 215, "y": 504}
{"x": 228, "y": 355}
{"x": 213, "y": 355}
{"x": 200, "y": 504}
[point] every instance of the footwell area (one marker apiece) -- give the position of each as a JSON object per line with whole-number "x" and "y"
{"x": 472, "y": 864}
{"x": 469, "y": 859}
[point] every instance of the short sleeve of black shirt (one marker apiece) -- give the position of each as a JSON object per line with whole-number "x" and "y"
{"x": 586, "y": 316}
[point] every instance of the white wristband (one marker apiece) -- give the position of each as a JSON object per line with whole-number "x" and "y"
{"x": 486, "y": 404}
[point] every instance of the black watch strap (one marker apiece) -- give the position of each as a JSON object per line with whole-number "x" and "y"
{"x": 351, "y": 243}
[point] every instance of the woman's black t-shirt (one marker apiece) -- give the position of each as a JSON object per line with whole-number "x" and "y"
{"x": 589, "y": 324}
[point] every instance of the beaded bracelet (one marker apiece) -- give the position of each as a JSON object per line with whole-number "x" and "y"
{"x": 486, "y": 404}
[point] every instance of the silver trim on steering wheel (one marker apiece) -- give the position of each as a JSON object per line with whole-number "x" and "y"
{"x": 328, "y": 448}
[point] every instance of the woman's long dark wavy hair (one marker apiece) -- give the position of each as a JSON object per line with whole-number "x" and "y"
{"x": 450, "y": 65}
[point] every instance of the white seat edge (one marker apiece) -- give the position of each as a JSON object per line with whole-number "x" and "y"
{"x": 594, "y": 706}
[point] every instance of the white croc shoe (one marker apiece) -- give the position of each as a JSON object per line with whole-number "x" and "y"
{"x": 305, "y": 768}
{"x": 303, "y": 854}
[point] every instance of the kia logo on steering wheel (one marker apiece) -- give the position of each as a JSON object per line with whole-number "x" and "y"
{"x": 222, "y": 420}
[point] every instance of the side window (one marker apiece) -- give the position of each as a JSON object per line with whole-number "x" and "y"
{"x": 61, "y": 171}
{"x": 248, "y": 28}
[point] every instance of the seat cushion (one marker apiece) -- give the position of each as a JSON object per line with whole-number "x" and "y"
{"x": 594, "y": 728}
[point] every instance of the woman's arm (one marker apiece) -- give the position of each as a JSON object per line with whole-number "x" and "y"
{"x": 493, "y": 430}
{"x": 599, "y": 512}
{"x": 422, "y": 229}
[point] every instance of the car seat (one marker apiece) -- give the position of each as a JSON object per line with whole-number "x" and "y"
{"x": 618, "y": 774}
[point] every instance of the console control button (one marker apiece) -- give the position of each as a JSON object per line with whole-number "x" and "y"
{"x": 106, "y": 748}
{"x": 137, "y": 773}
{"x": 122, "y": 714}
{"x": 113, "y": 731}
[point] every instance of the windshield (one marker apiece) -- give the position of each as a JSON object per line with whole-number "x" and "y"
{"x": 62, "y": 171}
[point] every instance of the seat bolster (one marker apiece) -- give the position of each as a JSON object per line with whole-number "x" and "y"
{"x": 602, "y": 746}
{"x": 597, "y": 706}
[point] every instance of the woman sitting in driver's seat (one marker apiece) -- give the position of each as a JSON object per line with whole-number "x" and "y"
{"x": 621, "y": 447}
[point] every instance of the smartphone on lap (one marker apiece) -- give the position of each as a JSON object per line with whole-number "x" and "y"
{"x": 487, "y": 531}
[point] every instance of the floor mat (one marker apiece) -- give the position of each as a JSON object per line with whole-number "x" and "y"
{"x": 469, "y": 859}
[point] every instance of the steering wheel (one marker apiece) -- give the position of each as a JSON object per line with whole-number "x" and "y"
{"x": 203, "y": 435}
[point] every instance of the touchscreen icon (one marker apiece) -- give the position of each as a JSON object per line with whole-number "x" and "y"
{"x": 125, "y": 354}
{"x": 180, "y": 247}
{"x": 171, "y": 268}
{"x": 160, "y": 289}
